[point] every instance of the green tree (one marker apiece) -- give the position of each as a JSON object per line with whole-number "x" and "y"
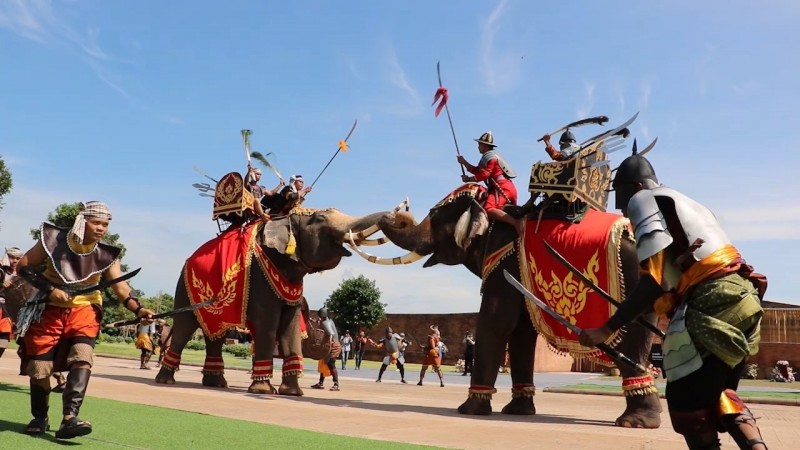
{"x": 356, "y": 304}
{"x": 6, "y": 183}
{"x": 64, "y": 216}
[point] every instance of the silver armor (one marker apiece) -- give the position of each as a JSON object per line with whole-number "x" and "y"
{"x": 330, "y": 329}
{"x": 504, "y": 166}
{"x": 649, "y": 225}
{"x": 697, "y": 221}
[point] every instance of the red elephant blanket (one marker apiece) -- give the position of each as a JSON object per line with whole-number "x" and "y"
{"x": 593, "y": 246}
{"x": 220, "y": 269}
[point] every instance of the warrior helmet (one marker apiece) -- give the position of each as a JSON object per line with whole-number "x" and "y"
{"x": 486, "y": 138}
{"x": 323, "y": 312}
{"x": 566, "y": 139}
{"x": 633, "y": 169}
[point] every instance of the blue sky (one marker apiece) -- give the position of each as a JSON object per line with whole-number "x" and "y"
{"x": 117, "y": 101}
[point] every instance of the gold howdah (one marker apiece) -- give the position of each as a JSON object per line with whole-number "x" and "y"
{"x": 231, "y": 196}
{"x": 575, "y": 178}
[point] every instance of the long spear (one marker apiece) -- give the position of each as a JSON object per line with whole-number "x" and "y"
{"x": 442, "y": 94}
{"x": 342, "y": 147}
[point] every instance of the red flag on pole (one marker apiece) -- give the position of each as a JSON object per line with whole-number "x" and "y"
{"x": 441, "y": 94}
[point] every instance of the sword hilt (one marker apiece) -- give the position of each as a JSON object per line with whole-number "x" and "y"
{"x": 620, "y": 357}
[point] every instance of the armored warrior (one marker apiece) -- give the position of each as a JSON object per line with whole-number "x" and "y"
{"x": 59, "y": 320}
{"x": 567, "y": 144}
{"x": 692, "y": 273}
{"x": 432, "y": 356}
{"x": 497, "y": 173}
{"x": 391, "y": 342}
{"x": 329, "y": 361}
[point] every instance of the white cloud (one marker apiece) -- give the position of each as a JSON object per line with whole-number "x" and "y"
{"x": 31, "y": 19}
{"x": 500, "y": 69}
{"x": 398, "y": 77}
{"x": 762, "y": 222}
{"x": 588, "y": 102}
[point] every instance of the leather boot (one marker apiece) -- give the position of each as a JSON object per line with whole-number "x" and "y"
{"x": 75, "y": 390}
{"x": 74, "y": 393}
{"x": 40, "y": 401}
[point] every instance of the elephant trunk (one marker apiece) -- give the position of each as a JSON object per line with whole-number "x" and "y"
{"x": 403, "y": 231}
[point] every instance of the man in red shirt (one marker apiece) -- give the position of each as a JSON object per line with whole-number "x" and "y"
{"x": 497, "y": 173}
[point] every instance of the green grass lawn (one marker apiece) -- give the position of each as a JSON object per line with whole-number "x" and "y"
{"x": 122, "y": 350}
{"x": 128, "y": 425}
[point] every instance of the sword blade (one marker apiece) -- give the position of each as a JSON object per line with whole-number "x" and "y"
{"x": 611, "y": 132}
{"x": 649, "y": 147}
{"x": 184, "y": 309}
{"x": 606, "y": 296}
{"x": 599, "y": 120}
{"x": 105, "y": 284}
{"x": 616, "y": 355}
{"x": 353, "y": 128}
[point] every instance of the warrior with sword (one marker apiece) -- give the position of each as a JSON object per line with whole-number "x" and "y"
{"x": 63, "y": 318}
{"x": 692, "y": 273}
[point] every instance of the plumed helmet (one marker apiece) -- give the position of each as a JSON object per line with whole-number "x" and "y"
{"x": 486, "y": 138}
{"x": 634, "y": 169}
{"x": 323, "y": 312}
{"x": 566, "y": 138}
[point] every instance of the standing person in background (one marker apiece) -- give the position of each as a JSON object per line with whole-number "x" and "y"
{"x": 329, "y": 361}
{"x": 361, "y": 345}
{"x": 469, "y": 352}
{"x": 432, "y": 356}
{"x": 391, "y": 344}
{"x": 144, "y": 342}
{"x": 347, "y": 342}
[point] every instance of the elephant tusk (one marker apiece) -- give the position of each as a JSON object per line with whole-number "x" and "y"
{"x": 363, "y": 234}
{"x": 374, "y": 242}
{"x": 405, "y": 204}
{"x": 408, "y": 258}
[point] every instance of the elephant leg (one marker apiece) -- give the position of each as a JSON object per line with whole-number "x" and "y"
{"x": 497, "y": 318}
{"x": 184, "y": 325}
{"x": 263, "y": 311}
{"x": 289, "y": 340}
{"x": 214, "y": 366}
{"x": 521, "y": 349}
{"x": 643, "y": 407}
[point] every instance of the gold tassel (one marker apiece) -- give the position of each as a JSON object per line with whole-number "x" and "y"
{"x": 291, "y": 245}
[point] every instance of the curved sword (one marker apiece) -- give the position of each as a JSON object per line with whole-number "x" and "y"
{"x": 606, "y": 296}
{"x": 599, "y": 120}
{"x": 616, "y": 355}
{"x": 189, "y": 308}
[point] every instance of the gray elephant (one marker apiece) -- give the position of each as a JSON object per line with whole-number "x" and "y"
{"x": 457, "y": 232}
{"x": 266, "y": 295}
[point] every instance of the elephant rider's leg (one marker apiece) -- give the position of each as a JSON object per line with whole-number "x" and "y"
{"x": 502, "y": 216}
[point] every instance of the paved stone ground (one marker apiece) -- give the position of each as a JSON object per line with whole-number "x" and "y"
{"x": 409, "y": 413}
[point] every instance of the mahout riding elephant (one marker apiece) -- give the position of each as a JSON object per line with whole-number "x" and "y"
{"x": 457, "y": 232}
{"x": 262, "y": 289}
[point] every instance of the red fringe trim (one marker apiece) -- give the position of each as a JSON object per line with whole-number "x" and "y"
{"x": 262, "y": 370}
{"x": 292, "y": 365}
{"x": 213, "y": 365}
{"x": 171, "y": 360}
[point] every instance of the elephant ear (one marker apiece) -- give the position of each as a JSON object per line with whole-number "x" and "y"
{"x": 473, "y": 222}
{"x": 276, "y": 234}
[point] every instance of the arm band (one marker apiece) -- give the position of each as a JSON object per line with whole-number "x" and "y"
{"x": 646, "y": 292}
{"x": 36, "y": 280}
{"x": 129, "y": 298}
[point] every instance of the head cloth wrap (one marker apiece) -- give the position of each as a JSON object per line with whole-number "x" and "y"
{"x": 14, "y": 252}
{"x": 88, "y": 209}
